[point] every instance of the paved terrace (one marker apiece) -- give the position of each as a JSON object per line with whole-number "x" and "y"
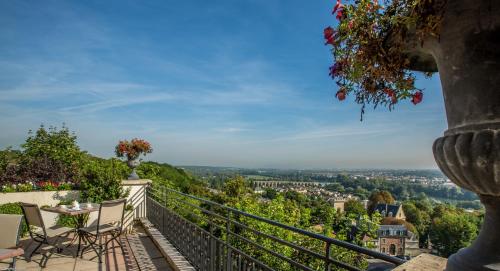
{"x": 141, "y": 254}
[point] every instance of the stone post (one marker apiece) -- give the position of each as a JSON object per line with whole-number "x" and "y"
{"x": 137, "y": 199}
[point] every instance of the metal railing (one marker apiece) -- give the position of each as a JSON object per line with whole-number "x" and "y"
{"x": 215, "y": 237}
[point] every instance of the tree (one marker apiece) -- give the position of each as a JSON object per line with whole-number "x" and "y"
{"x": 53, "y": 143}
{"x": 420, "y": 218}
{"x": 354, "y": 207}
{"x": 236, "y": 187}
{"x": 379, "y": 197}
{"x": 450, "y": 232}
{"x": 51, "y": 154}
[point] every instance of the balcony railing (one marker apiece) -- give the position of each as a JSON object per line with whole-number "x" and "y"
{"x": 216, "y": 237}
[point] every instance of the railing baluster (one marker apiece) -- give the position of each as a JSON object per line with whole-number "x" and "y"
{"x": 328, "y": 256}
{"x": 228, "y": 235}
{"x": 207, "y": 249}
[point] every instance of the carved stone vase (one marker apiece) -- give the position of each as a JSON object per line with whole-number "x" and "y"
{"x": 467, "y": 56}
{"x": 133, "y": 163}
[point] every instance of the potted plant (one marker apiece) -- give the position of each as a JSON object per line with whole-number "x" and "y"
{"x": 132, "y": 150}
{"x": 377, "y": 48}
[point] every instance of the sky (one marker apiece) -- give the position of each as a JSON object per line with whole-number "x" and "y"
{"x": 218, "y": 83}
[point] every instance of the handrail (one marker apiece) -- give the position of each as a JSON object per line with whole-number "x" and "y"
{"x": 329, "y": 241}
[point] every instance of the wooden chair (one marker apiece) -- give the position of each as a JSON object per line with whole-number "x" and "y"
{"x": 109, "y": 222}
{"x": 10, "y": 226}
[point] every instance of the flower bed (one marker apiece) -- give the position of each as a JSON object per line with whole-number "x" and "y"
{"x": 37, "y": 186}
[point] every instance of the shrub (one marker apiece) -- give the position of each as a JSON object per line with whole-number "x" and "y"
{"x": 102, "y": 180}
{"x": 14, "y": 209}
{"x": 47, "y": 154}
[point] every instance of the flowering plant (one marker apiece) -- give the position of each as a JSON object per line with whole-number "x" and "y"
{"x": 132, "y": 149}
{"x": 369, "y": 48}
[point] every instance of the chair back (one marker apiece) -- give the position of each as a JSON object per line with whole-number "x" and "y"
{"x": 10, "y": 225}
{"x": 111, "y": 212}
{"x": 32, "y": 215}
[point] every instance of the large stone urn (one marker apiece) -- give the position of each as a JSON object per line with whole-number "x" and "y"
{"x": 133, "y": 163}
{"x": 467, "y": 56}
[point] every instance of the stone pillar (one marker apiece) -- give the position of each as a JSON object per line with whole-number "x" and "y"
{"x": 136, "y": 198}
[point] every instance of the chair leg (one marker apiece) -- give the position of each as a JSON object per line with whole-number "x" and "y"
{"x": 100, "y": 249}
{"x": 34, "y": 250}
{"x": 121, "y": 245}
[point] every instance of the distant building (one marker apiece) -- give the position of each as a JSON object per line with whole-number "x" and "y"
{"x": 391, "y": 210}
{"x": 396, "y": 240}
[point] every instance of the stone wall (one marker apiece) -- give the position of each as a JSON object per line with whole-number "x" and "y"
{"x": 136, "y": 198}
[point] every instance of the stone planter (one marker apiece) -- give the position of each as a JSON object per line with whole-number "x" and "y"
{"x": 467, "y": 56}
{"x": 133, "y": 163}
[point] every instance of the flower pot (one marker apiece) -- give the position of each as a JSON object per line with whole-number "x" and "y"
{"x": 133, "y": 163}
{"x": 467, "y": 56}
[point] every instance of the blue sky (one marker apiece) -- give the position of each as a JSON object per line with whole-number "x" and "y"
{"x": 229, "y": 83}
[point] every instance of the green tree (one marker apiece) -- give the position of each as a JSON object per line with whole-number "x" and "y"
{"x": 56, "y": 144}
{"x": 354, "y": 207}
{"x": 451, "y": 231}
{"x": 236, "y": 187}
{"x": 51, "y": 154}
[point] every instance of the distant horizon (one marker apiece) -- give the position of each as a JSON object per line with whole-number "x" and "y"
{"x": 311, "y": 169}
{"x": 240, "y": 83}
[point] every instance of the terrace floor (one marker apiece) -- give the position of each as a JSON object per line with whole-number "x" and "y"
{"x": 140, "y": 254}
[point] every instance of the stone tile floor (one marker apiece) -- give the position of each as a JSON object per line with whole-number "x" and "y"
{"x": 140, "y": 255}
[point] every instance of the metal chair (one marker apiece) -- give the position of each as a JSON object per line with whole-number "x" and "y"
{"x": 109, "y": 222}
{"x": 39, "y": 233}
{"x": 9, "y": 238}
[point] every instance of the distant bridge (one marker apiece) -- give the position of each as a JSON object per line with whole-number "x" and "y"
{"x": 276, "y": 184}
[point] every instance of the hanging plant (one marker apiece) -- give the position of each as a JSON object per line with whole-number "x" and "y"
{"x": 369, "y": 45}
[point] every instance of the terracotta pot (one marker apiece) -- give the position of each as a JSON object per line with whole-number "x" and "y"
{"x": 467, "y": 56}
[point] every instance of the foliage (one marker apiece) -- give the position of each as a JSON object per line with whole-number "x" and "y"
{"x": 420, "y": 218}
{"x": 101, "y": 180}
{"x": 47, "y": 155}
{"x": 236, "y": 187}
{"x": 171, "y": 177}
{"x": 133, "y": 149}
{"x": 354, "y": 207}
{"x": 369, "y": 48}
{"x": 14, "y": 209}
{"x": 52, "y": 154}
{"x": 451, "y": 231}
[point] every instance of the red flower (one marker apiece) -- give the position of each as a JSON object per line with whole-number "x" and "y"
{"x": 330, "y": 40}
{"x": 340, "y": 14}
{"x": 340, "y": 95}
{"x": 328, "y": 32}
{"x": 417, "y": 97}
{"x": 391, "y": 94}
